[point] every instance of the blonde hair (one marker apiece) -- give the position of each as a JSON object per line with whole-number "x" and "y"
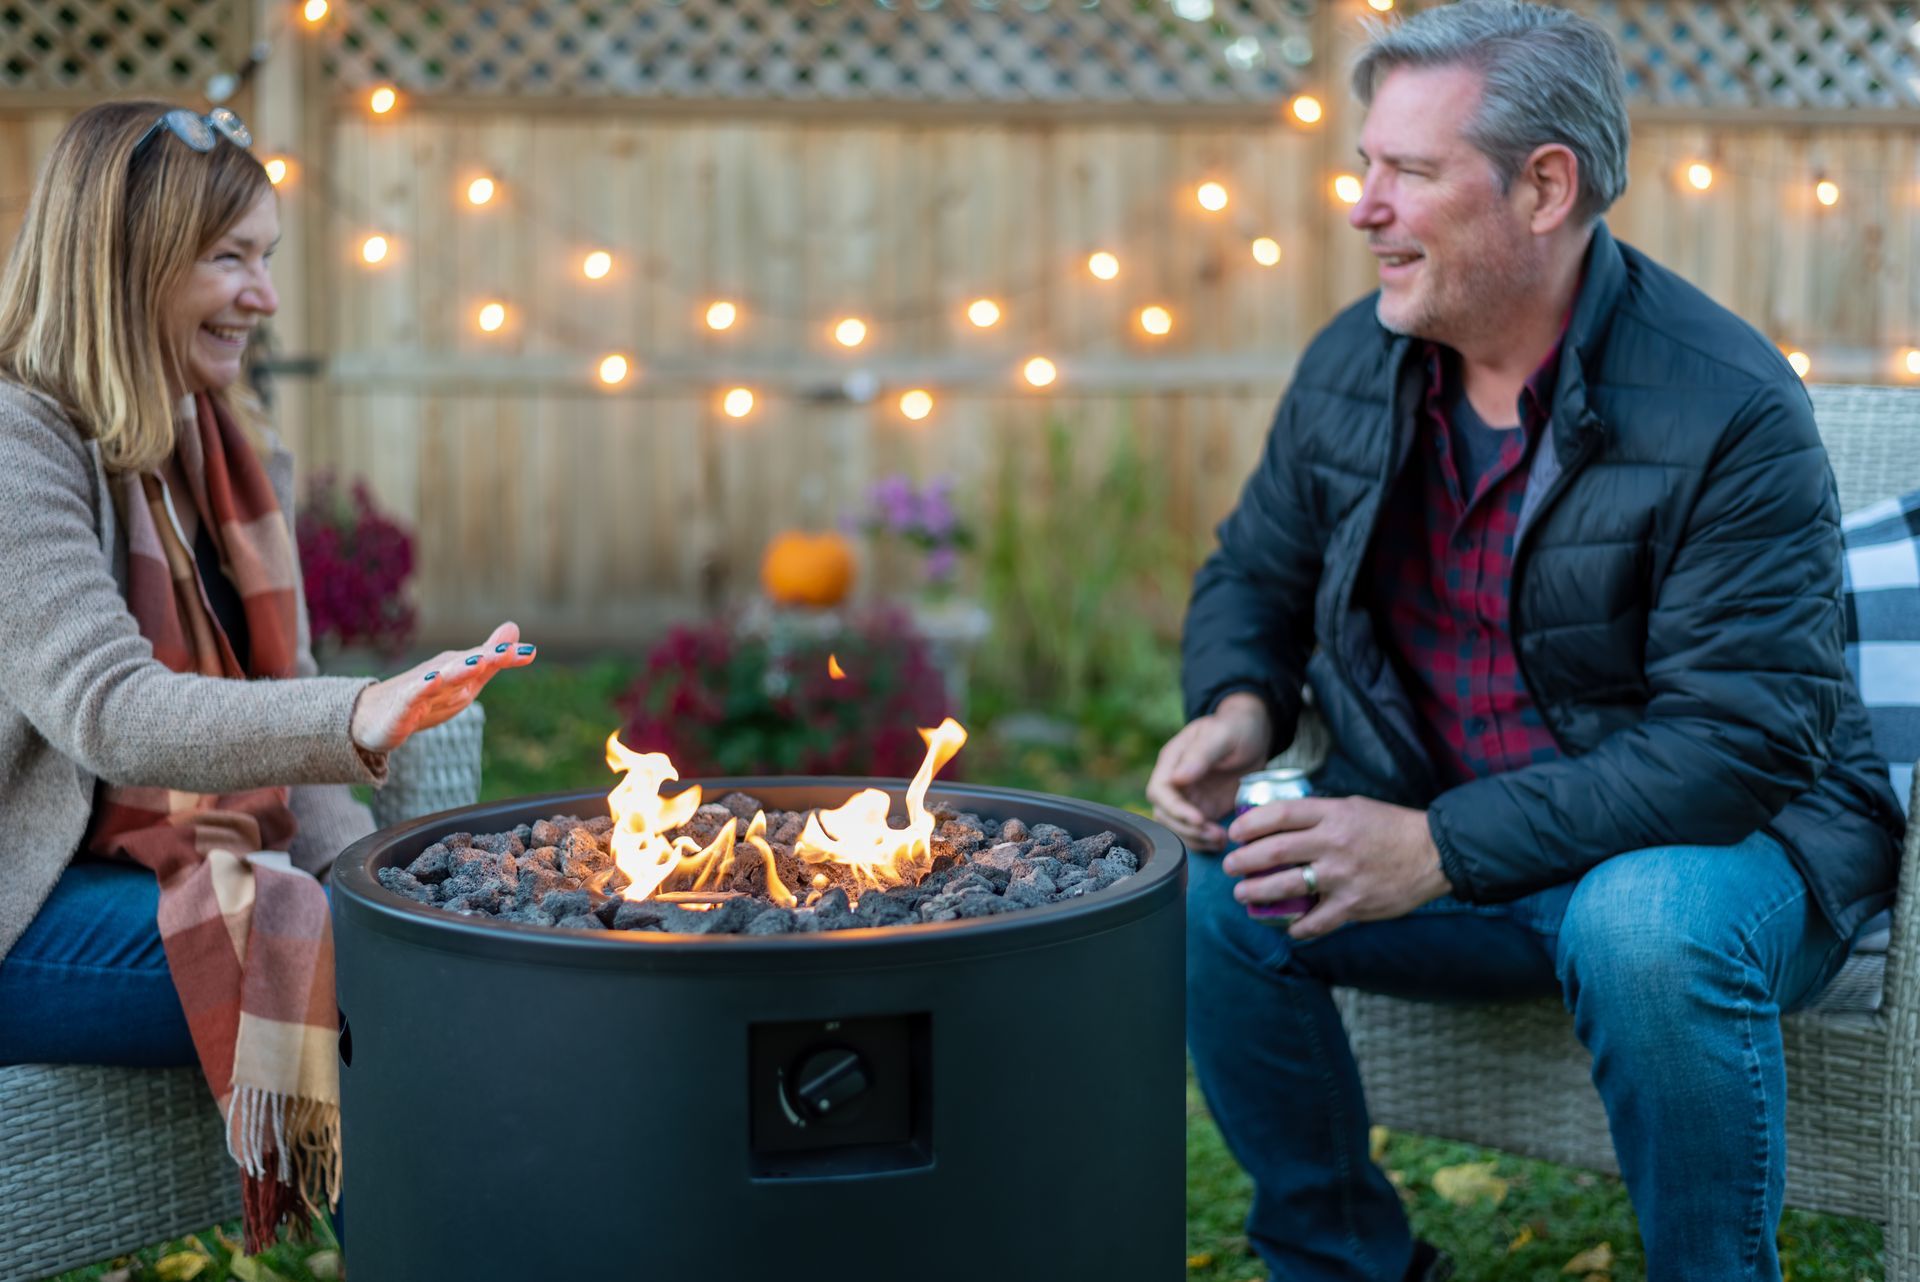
{"x": 109, "y": 239}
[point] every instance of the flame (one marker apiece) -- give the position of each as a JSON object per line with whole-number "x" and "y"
{"x": 834, "y": 669}
{"x": 857, "y": 835}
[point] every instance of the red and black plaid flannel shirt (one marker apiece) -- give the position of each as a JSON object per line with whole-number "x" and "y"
{"x": 1441, "y": 570}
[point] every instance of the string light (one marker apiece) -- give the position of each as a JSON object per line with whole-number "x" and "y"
{"x": 1699, "y": 177}
{"x": 1156, "y": 320}
{"x": 382, "y": 100}
{"x": 1384, "y": 6}
{"x": 277, "y": 169}
{"x": 596, "y": 264}
{"x": 851, "y": 331}
{"x": 1266, "y": 251}
{"x": 480, "y": 191}
{"x": 738, "y": 403}
{"x": 313, "y": 11}
{"x": 614, "y": 369}
{"x": 1346, "y": 189}
{"x": 1039, "y": 371}
{"x": 983, "y": 312}
{"x": 1912, "y": 361}
{"x": 1212, "y": 196}
{"x": 1306, "y": 109}
{"x": 491, "y": 317}
{"x": 373, "y": 250}
{"x": 1104, "y": 265}
{"x": 721, "y": 315}
{"x": 1827, "y": 192}
{"x": 917, "y": 404}
{"x": 1802, "y": 364}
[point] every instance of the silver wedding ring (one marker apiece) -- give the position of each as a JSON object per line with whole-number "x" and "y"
{"x": 1312, "y": 879}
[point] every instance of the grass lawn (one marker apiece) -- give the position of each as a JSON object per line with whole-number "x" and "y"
{"x": 1514, "y": 1220}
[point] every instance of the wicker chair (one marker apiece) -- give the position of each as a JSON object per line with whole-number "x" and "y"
{"x": 95, "y": 1162}
{"x": 1853, "y": 1060}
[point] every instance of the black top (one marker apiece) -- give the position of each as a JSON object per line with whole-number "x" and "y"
{"x": 228, "y": 611}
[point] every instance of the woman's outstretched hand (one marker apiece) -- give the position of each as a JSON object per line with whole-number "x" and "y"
{"x": 435, "y": 691}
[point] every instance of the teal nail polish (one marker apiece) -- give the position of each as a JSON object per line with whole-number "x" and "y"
{"x": 501, "y": 648}
{"x": 430, "y": 676}
{"x": 472, "y": 659}
{"x": 526, "y": 649}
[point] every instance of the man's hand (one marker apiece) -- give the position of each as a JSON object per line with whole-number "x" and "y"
{"x": 1199, "y": 770}
{"x": 1371, "y": 861}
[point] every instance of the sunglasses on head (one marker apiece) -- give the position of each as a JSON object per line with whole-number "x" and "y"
{"x": 198, "y": 132}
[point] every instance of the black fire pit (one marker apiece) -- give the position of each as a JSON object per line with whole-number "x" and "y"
{"x": 991, "y": 1100}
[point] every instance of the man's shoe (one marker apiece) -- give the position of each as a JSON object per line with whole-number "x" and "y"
{"x": 1430, "y": 1264}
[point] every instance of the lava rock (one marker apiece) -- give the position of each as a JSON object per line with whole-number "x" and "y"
{"x": 434, "y": 864}
{"x": 1124, "y": 858}
{"x": 1014, "y": 830}
{"x": 1002, "y": 857}
{"x": 775, "y": 921}
{"x": 787, "y": 831}
{"x": 523, "y": 833}
{"x": 457, "y": 840}
{"x": 883, "y": 910}
{"x": 599, "y": 826}
{"x": 544, "y": 832}
{"x": 741, "y": 806}
{"x": 535, "y": 884}
{"x": 581, "y": 921}
{"x": 832, "y": 911}
{"x": 1051, "y": 833}
{"x": 1105, "y": 872}
{"x": 706, "y": 823}
{"x": 1045, "y": 864}
{"x": 628, "y": 915}
{"x": 962, "y": 836}
{"x": 580, "y": 854}
{"x": 402, "y": 882}
{"x": 566, "y": 903}
{"x": 540, "y": 857}
{"x": 733, "y": 916}
{"x": 500, "y": 843}
{"x": 1031, "y": 890}
{"x": 1088, "y": 849}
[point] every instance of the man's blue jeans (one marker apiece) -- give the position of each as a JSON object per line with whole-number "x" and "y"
{"x": 1676, "y": 963}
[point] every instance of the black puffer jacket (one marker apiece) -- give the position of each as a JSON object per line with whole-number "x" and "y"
{"x": 1675, "y": 612}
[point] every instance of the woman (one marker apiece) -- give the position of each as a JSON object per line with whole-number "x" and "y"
{"x": 164, "y": 737}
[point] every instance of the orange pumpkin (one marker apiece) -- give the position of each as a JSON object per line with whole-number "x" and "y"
{"x": 802, "y": 568}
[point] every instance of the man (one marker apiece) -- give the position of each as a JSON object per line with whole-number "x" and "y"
{"x": 1553, "y": 540}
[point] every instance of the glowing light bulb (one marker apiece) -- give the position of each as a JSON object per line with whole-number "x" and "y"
{"x": 1346, "y": 189}
{"x": 1827, "y": 192}
{"x": 1801, "y": 363}
{"x": 1212, "y": 197}
{"x": 491, "y": 317}
{"x": 916, "y": 404}
{"x": 722, "y": 315}
{"x": 738, "y": 403}
{"x": 276, "y": 167}
{"x": 382, "y": 100}
{"x": 1266, "y": 251}
{"x": 1039, "y": 371}
{"x": 1104, "y": 265}
{"x": 596, "y": 264}
{"x": 373, "y": 249}
{"x": 1383, "y": 6}
{"x": 1156, "y": 320}
{"x": 983, "y": 312}
{"x": 313, "y": 11}
{"x": 1307, "y": 109}
{"x": 480, "y": 191}
{"x": 850, "y": 332}
{"x": 1699, "y": 177}
{"x": 1913, "y": 361}
{"x": 614, "y": 369}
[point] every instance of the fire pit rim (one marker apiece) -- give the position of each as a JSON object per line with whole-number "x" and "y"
{"x": 1162, "y": 876}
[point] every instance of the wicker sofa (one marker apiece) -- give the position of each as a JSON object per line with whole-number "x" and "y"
{"x": 1853, "y": 1060}
{"x": 95, "y": 1162}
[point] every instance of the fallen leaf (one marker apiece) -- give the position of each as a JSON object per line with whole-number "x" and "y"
{"x": 1199, "y": 1260}
{"x": 231, "y": 1245}
{"x": 1525, "y": 1236}
{"x": 1377, "y": 1143}
{"x": 1595, "y": 1259}
{"x": 116, "y": 1275}
{"x": 1467, "y": 1183}
{"x": 250, "y": 1268}
{"x": 181, "y": 1266}
{"x": 324, "y": 1265}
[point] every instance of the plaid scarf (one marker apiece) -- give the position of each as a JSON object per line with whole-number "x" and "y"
{"x": 247, "y": 936}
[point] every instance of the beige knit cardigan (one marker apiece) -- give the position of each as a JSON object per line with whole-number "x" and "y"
{"x": 82, "y": 699}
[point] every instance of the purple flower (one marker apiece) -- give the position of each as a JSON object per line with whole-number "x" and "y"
{"x": 942, "y": 562}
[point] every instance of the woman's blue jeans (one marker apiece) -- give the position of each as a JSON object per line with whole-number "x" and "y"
{"x": 1676, "y": 963}
{"x": 88, "y": 982}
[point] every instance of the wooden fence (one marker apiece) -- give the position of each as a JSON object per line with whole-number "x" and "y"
{"x": 926, "y": 158}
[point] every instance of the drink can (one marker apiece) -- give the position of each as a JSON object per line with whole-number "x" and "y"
{"x": 1257, "y": 789}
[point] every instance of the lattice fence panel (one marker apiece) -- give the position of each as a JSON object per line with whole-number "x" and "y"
{"x": 986, "y": 51}
{"x": 120, "y": 46}
{"x": 1826, "y": 54}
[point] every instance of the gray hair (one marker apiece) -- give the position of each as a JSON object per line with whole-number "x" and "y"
{"x": 1550, "y": 76}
